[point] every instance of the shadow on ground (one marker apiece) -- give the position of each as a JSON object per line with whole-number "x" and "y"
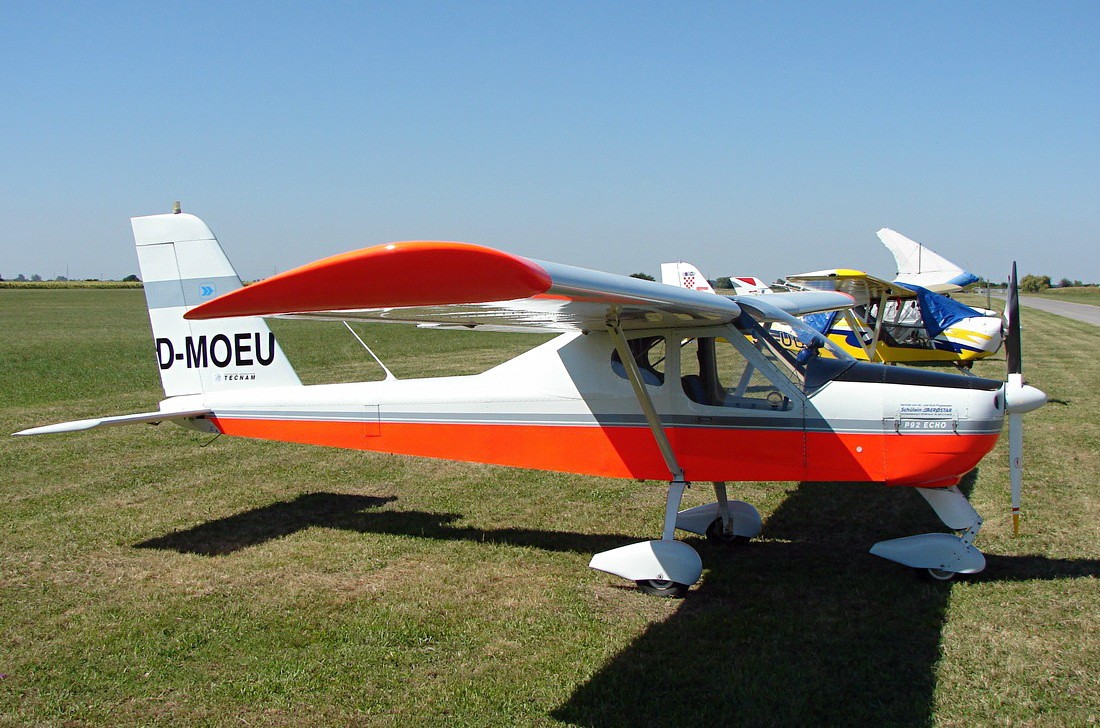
{"x": 802, "y": 627}
{"x": 360, "y": 514}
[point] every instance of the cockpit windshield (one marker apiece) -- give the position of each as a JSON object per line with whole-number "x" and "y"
{"x": 796, "y": 345}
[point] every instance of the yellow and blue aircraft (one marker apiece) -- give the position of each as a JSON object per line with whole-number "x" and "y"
{"x": 893, "y": 322}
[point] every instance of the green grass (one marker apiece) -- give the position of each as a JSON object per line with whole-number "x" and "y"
{"x": 1081, "y": 294}
{"x": 66, "y": 285}
{"x": 150, "y": 577}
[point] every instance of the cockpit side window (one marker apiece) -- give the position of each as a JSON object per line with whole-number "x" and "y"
{"x": 650, "y": 356}
{"x": 716, "y": 374}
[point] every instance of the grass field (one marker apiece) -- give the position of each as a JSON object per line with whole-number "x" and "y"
{"x": 149, "y": 576}
{"x": 1082, "y": 294}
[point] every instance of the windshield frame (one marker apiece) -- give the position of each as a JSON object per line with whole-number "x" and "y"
{"x": 758, "y": 323}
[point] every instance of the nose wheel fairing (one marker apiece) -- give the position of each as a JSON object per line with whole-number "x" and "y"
{"x": 652, "y": 561}
{"x": 940, "y": 553}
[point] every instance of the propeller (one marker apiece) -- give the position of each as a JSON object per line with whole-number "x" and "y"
{"x": 1019, "y": 398}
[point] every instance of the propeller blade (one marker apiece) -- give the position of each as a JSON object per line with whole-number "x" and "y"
{"x": 1019, "y": 398}
{"x": 1016, "y": 466}
{"x": 1012, "y": 312}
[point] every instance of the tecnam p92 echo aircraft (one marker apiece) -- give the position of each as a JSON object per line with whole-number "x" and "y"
{"x": 645, "y": 381}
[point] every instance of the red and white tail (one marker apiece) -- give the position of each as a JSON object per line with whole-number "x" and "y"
{"x": 182, "y": 265}
{"x": 684, "y": 275}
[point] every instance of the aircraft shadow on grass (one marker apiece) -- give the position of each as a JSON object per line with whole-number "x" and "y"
{"x": 803, "y": 627}
{"x": 359, "y": 513}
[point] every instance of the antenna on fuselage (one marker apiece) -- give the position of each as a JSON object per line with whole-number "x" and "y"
{"x": 389, "y": 374}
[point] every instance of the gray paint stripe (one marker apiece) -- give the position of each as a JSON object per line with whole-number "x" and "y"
{"x": 189, "y": 292}
{"x": 621, "y": 420}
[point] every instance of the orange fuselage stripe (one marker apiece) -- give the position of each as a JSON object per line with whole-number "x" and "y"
{"x": 631, "y": 452}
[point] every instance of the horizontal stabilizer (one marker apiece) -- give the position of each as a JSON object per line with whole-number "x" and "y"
{"x": 144, "y": 417}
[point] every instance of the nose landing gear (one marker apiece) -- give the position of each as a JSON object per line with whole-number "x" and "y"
{"x": 940, "y": 556}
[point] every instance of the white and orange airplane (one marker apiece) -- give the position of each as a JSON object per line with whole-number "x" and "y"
{"x": 645, "y": 381}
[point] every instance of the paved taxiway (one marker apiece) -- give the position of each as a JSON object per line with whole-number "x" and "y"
{"x": 1078, "y": 311}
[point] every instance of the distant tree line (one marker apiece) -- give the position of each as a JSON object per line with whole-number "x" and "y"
{"x": 35, "y": 278}
{"x": 1035, "y": 284}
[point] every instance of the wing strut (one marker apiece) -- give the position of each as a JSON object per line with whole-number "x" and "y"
{"x": 635, "y": 377}
{"x": 666, "y": 567}
{"x": 676, "y": 488}
{"x": 859, "y": 330}
{"x": 878, "y": 322}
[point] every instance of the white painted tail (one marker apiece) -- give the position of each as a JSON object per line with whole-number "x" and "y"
{"x": 182, "y": 265}
{"x": 684, "y": 275}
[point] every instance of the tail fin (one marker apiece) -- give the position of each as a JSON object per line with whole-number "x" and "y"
{"x": 684, "y": 275}
{"x": 749, "y": 285}
{"x": 919, "y": 266}
{"x": 182, "y": 265}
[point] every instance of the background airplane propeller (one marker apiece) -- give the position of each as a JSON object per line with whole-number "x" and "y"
{"x": 1019, "y": 398}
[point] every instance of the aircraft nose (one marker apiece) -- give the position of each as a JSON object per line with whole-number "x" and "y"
{"x": 1020, "y": 398}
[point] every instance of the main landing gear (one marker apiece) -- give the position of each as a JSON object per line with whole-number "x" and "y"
{"x": 940, "y": 556}
{"x": 668, "y": 567}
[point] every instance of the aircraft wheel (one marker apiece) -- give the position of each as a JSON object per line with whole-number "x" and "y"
{"x": 663, "y": 588}
{"x": 716, "y": 534}
{"x": 938, "y": 574}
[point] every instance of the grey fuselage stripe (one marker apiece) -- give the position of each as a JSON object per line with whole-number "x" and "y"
{"x": 879, "y": 426}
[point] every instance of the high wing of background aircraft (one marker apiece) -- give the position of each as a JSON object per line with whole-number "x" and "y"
{"x": 896, "y": 322}
{"x": 644, "y": 381}
{"x": 919, "y": 266}
{"x": 916, "y": 325}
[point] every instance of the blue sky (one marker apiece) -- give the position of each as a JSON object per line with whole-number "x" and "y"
{"x": 750, "y": 138}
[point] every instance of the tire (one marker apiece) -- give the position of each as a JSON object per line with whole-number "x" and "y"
{"x": 663, "y": 588}
{"x": 937, "y": 575}
{"x": 717, "y": 535}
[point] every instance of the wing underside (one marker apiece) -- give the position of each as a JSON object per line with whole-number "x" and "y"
{"x": 860, "y": 286}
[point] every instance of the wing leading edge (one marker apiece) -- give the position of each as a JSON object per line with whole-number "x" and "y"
{"x": 464, "y": 285}
{"x": 860, "y": 286}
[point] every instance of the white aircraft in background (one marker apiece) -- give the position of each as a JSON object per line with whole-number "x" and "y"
{"x": 644, "y": 381}
{"x": 749, "y": 286}
{"x": 909, "y": 319}
{"x": 685, "y": 275}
